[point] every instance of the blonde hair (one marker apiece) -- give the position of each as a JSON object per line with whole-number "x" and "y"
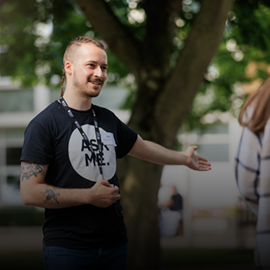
{"x": 260, "y": 104}
{"x": 70, "y": 51}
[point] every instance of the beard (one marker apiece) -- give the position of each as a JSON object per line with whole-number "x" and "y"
{"x": 84, "y": 87}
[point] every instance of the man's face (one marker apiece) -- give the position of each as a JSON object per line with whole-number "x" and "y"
{"x": 89, "y": 70}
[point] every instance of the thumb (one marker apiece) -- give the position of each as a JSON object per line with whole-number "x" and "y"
{"x": 105, "y": 183}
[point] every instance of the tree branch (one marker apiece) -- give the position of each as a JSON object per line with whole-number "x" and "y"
{"x": 200, "y": 47}
{"x": 160, "y": 30}
{"x": 2, "y": 2}
{"x": 119, "y": 39}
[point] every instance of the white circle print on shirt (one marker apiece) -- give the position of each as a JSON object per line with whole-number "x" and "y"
{"x": 83, "y": 161}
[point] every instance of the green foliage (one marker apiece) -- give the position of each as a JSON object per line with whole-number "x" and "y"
{"x": 35, "y": 54}
{"x": 251, "y": 24}
{"x": 14, "y": 27}
{"x": 30, "y": 56}
{"x": 116, "y": 68}
{"x": 246, "y": 40}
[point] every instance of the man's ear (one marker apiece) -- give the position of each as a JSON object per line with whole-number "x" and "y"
{"x": 68, "y": 67}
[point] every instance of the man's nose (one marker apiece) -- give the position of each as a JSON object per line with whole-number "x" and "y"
{"x": 98, "y": 72}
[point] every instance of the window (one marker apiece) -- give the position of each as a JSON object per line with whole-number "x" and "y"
{"x": 13, "y": 155}
{"x": 14, "y": 181}
{"x": 16, "y": 101}
{"x": 214, "y": 152}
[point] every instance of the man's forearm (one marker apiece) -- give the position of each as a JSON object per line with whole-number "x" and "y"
{"x": 35, "y": 192}
{"x": 47, "y": 196}
{"x": 156, "y": 153}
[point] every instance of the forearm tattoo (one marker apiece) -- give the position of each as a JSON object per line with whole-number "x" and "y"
{"x": 31, "y": 169}
{"x": 50, "y": 193}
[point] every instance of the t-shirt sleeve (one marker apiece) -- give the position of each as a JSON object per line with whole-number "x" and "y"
{"x": 126, "y": 139}
{"x": 37, "y": 146}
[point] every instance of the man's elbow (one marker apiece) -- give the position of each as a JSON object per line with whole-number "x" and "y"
{"x": 26, "y": 201}
{"x": 26, "y": 197}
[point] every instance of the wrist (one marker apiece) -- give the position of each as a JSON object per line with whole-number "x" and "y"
{"x": 86, "y": 196}
{"x": 182, "y": 157}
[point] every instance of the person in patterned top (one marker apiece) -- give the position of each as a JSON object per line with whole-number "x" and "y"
{"x": 252, "y": 167}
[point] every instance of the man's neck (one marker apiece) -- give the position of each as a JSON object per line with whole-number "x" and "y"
{"x": 78, "y": 102}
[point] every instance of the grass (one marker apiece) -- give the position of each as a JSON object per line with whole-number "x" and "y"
{"x": 172, "y": 259}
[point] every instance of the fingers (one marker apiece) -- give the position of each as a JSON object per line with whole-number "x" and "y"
{"x": 116, "y": 196}
{"x": 104, "y": 183}
{"x": 204, "y": 166}
{"x": 105, "y": 194}
{"x": 107, "y": 184}
{"x": 202, "y": 158}
{"x": 113, "y": 191}
{"x": 204, "y": 162}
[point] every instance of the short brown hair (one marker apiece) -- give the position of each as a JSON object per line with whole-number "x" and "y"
{"x": 260, "y": 103}
{"x": 76, "y": 42}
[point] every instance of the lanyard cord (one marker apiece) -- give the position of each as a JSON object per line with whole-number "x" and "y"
{"x": 98, "y": 157}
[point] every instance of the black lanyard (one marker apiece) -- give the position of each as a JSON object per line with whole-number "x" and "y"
{"x": 98, "y": 158}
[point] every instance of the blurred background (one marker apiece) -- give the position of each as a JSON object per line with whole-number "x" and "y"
{"x": 178, "y": 74}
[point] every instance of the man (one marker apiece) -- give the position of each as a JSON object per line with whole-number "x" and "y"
{"x": 171, "y": 209}
{"x": 68, "y": 166}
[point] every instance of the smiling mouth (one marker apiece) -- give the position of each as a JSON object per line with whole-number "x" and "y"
{"x": 97, "y": 82}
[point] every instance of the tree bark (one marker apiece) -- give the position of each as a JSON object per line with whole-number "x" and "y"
{"x": 139, "y": 199}
{"x": 164, "y": 97}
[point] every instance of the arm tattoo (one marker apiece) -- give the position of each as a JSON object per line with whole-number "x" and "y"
{"x": 30, "y": 169}
{"x": 51, "y": 194}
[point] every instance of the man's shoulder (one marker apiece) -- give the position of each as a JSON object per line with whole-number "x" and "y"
{"x": 51, "y": 111}
{"x": 104, "y": 112}
{"x": 102, "y": 109}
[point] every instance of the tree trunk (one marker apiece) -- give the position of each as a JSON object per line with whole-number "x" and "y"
{"x": 140, "y": 182}
{"x": 139, "y": 199}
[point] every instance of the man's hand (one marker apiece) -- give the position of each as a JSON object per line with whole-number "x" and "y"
{"x": 103, "y": 195}
{"x": 196, "y": 162}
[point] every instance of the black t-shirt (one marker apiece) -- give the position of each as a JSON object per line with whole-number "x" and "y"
{"x": 52, "y": 138}
{"x": 177, "y": 202}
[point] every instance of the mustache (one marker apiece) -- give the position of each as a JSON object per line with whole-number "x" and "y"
{"x": 97, "y": 81}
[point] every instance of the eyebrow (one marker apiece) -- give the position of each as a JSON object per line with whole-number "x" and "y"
{"x": 92, "y": 61}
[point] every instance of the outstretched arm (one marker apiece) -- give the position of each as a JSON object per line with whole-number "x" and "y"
{"x": 35, "y": 192}
{"x": 156, "y": 153}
